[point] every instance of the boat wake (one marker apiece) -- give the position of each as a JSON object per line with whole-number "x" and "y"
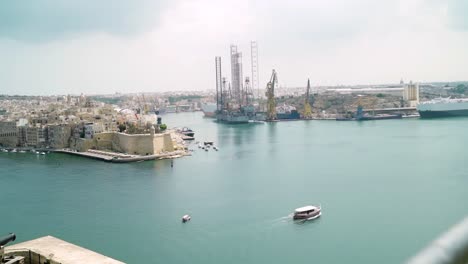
{"x": 281, "y": 220}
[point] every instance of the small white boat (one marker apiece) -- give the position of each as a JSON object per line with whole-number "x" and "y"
{"x": 13, "y": 150}
{"x": 22, "y": 151}
{"x": 4, "y": 150}
{"x": 186, "y": 218}
{"x": 43, "y": 153}
{"x": 309, "y": 212}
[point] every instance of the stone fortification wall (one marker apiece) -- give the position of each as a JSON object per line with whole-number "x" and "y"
{"x": 104, "y": 141}
{"x": 141, "y": 144}
{"x": 162, "y": 142}
{"x": 83, "y": 144}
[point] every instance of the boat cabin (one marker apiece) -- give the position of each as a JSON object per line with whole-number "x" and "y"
{"x": 305, "y": 210}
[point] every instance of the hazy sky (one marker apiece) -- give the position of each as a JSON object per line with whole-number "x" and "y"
{"x": 108, "y": 46}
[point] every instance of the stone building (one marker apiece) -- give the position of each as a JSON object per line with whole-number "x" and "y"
{"x": 59, "y": 135}
{"x": 36, "y": 136}
{"x": 411, "y": 94}
{"x": 8, "y": 134}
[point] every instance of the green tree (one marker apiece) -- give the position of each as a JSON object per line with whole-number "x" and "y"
{"x": 122, "y": 128}
{"x": 163, "y": 127}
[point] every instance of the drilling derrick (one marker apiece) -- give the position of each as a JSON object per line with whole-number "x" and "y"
{"x": 248, "y": 93}
{"x": 307, "y": 107}
{"x": 270, "y": 94}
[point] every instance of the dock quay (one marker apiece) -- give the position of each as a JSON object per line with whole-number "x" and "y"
{"x": 52, "y": 250}
{"x": 121, "y": 157}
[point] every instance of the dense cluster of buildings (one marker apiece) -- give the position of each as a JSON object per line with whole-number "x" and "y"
{"x": 78, "y": 123}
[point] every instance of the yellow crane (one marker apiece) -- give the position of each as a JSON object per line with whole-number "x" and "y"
{"x": 307, "y": 107}
{"x": 270, "y": 94}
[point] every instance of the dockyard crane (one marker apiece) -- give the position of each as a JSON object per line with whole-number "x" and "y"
{"x": 307, "y": 107}
{"x": 364, "y": 102}
{"x": 270, "y": 94}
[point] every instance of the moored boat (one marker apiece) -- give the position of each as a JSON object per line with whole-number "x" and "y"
{"x": 309, "y": 212}
{"x": 186, "y": 131}
{"x": 287, "y": 112}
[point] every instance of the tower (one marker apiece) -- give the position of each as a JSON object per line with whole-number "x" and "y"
{"x": 219, "y": 88}
{"x": 236, "y": 73}
{"x": 254, "y": 65}
{"x": 411, "y": 94}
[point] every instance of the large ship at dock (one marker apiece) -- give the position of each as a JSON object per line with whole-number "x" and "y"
{"x": 287, "y": 112}
{"x": 209, "y": 109}
{"x": 443, "y": 107}
{"x": 232, "y": 117}
{"x": 361, "y": 116}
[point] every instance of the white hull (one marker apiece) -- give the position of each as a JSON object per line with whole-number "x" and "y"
{"x": 314, "y": 217}
{"x": 443, "y": 104}
{"x": 209, "y": 109}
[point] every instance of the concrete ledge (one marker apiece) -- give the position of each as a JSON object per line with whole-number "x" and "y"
{"x": 124, "y": 158}
{"x": 57, "y": 251}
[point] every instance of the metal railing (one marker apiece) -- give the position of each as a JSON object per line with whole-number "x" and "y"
{"x": 450, "y": 248}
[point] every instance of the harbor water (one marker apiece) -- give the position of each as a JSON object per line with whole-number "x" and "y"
{"x": 386, "y": 188}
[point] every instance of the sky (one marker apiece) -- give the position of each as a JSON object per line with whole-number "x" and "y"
{"x": 101, "y": 47}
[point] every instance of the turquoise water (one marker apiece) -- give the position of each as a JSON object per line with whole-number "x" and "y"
{"x": 387, "y": 188}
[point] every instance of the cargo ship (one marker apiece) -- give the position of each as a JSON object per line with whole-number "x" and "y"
{"x": 232, "y": 117}
{"x": 360, "y": 116}
{"x": 443, "y": 107}
{"x": 287, "y": 112}
{"x": 209, "y": 109}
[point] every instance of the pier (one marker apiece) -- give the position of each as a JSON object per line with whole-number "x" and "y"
{"x": 120, "y": 157}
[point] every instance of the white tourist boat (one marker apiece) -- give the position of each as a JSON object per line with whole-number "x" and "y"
{"x": 309, "y": 212}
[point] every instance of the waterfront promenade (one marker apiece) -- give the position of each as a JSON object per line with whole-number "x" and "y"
{"x": 120, "y": 157}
